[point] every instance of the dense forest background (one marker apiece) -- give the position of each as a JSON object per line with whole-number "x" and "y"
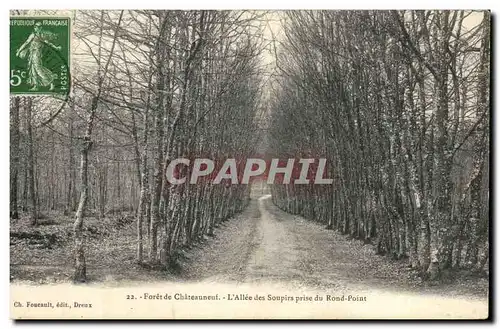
{"x": 397, "y": 101}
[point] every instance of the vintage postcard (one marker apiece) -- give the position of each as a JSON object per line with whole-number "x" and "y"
{"x": 242, "y": 164}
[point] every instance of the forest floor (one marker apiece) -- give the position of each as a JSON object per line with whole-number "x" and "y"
{"x": 44, "y": 254}
{"x": 262, "y": 245}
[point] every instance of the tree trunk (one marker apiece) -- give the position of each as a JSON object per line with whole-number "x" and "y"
{"x": 14, "y": 157}
{"x": 31, "y": 165}
{"x": 80, "y": 274}
{"x": 158, "y": 151}
{"x": 143, "y": 199}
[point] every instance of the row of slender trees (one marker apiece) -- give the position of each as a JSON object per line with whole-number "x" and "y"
{"x": 398, "y": 102}
{"x": 147, "y": 87}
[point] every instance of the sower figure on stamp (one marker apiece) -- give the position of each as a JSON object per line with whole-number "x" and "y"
{"x": 38, "y": 75}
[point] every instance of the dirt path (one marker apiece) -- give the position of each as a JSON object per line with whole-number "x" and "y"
{"x": 261, "y": 245}
{"x": 265, "y": 245}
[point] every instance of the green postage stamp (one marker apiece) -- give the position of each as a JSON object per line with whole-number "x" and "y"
{"x": 40, "y": 55}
